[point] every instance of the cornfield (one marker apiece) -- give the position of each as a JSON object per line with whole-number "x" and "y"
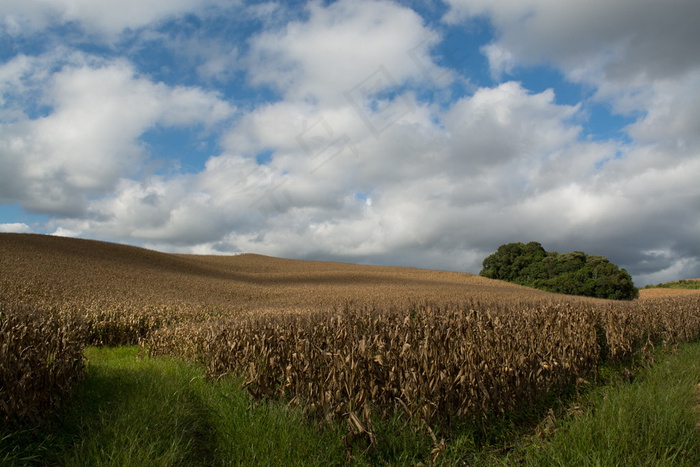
{"x": 41, "y": 358}
{"x": 336, "y": 339}
{"x": 473, "y": 360}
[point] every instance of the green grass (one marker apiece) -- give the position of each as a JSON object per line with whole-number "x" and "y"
{"x": 143, "y": 411}
{"x": 132, "y": 411}
{"x": 650, "y": 421}
{"x": 681, "y": 284}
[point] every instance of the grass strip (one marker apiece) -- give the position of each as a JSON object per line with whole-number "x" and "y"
{"x": 692, "y": 284}
{"x": 652, "y": 420}
{"x": 142, "y": 411}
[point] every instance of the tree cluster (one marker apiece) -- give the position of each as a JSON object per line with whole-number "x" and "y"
{"x": 574, "y": 273}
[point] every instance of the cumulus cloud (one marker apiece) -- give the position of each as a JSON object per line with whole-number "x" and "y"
{"x": 672, "y": 117}
{"x": 430, "y": 184}
{"x": 623, "y": 41}
{"x": 16, "y": 227}
{"x": 62, "y": 232}
{"x": 640, "y": 58}
{"x": 347, "y": 45}
{"x": 631, "y": 51}
{"x": 101, "y": 17}
{"x": 89, "y": 138}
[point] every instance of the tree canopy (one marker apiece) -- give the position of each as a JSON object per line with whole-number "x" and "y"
{"x": 574, "y": 273}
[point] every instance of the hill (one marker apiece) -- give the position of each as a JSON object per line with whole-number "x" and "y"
{"x": 59, "y": 270}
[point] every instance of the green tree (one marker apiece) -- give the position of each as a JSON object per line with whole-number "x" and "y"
{"x": 510, "y": 260}
{"x": 574, "y": 273}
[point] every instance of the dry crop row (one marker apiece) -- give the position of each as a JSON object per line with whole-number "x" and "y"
{"x": 233, "y": 315}
{"x": 42, "y": 343}
{"x": 625, "y": 328}
{"x": 106, "y": 320}
{"x": 472, "y": 360}
{"x": 41, "y": 358}
{"x": 435, "y": 362}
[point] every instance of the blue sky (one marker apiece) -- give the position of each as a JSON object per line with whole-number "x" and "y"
{"x": 416, "y": 133}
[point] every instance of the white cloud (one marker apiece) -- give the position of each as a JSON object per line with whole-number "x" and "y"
{"x": 174, "y": 210}
{"x": 90, "y": 137}
{"x": 96, "y": 16}
{"x": 340, "y": 47}
{"x": 16, "y": 227}
{"x": 641, "y": 59}
{"x": 673, "y": 115}
{"x": 622, "y": 47}
{"x": 499, "y": 166}
{"x": 435, "y": 202}
{"x": 498, "y": 125}
{"x": 426, "y": 183}
{"x": 61, "y": 232}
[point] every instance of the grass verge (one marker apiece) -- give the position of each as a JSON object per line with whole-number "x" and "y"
{"x": 652, "y": 420}
{"x": 681, "y": 284}
{"x": 142, "y": 411}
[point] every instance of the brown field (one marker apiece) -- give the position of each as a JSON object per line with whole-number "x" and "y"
{"x": 65, "y": 270}
{"x": 660, "y": 292}
{"x": 335, "y": 338}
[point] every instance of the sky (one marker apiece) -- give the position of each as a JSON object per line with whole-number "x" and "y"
{"x": 413, "y": 133}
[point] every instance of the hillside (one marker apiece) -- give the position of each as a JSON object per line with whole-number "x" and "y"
{"x": 59, "y": 270}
